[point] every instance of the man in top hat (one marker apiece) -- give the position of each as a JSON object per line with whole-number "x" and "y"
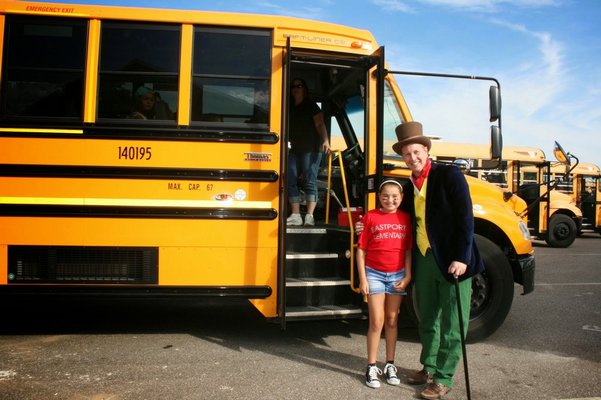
{"x": 439, "y": 202}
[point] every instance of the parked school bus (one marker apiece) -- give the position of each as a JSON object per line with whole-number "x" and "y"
{"x": 552, "y": 215}
{"x": 581, "y": 183}
{"x": 190, "y": 200}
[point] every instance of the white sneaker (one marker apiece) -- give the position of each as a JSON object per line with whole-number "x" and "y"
{"x": 294, "y": 220}
{"x": 371, "y": 376}
{"x": 309, "y": 220}
{"x": 390, "y": 373}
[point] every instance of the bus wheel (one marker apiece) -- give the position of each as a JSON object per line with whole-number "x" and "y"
{"x": 492, "y": 291}
{"x": 562, "y": 231}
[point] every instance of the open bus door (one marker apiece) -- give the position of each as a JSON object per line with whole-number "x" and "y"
{"x": 317, "y": 278}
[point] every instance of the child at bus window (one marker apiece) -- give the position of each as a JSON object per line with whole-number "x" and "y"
{"x": 149, "y": 105}
{"x": 384, "y": 266}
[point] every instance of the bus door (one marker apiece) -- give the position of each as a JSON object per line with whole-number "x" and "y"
{"x": 586, "y": 188}
{"x": 527, "y": 182}
{"x": 597, "y": 191}
{"x": 319, "y": 278}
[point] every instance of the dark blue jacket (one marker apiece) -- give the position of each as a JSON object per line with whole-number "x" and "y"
{"x": 449, "y": 219}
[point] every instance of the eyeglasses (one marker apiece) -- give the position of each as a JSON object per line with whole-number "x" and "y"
{"x": 298, "y": 86}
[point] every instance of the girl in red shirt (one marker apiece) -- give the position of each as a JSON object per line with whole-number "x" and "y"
{"x": 384, "y": 266}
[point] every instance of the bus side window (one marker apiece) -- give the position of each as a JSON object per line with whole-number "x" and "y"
{"x": 136, "y": 58}
{"x": 231, "y": 77}
{"x": 43, "y": 68}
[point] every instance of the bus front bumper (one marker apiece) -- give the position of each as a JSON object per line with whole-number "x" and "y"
{"x": 525, "y": 273}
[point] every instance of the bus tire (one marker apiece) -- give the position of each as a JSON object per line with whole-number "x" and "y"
{"x": 492, "y": 293}
{"x": 562, "y": 231}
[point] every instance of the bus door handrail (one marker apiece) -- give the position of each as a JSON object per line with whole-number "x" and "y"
{"x": 348, "y": 212}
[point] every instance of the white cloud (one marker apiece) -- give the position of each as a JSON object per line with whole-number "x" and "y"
{"x": 469, "y": 5}
{"x": 393, "y": 5}
{"x": 537, "y": 81}
{"x": 490, "y": 5}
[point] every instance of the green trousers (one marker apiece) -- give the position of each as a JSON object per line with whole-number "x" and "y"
{"x": 438, "y": 319}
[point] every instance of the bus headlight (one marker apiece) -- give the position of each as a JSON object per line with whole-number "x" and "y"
{"x": 524, "y": 230}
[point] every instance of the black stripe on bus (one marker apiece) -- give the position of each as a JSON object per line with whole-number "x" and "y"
{"x": 186, "y": 134}
{"x": 68, "y": 211}
{"x": 180, "y": 134}
{"x": 82, "y": 171}
{"x": 249, "y": 292}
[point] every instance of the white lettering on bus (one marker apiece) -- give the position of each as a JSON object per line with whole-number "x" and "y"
{"x": 320, "y": 39}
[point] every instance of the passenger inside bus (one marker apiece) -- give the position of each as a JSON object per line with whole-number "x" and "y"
{"x": 149, "y": 105}
{"x": 308, "y": 141}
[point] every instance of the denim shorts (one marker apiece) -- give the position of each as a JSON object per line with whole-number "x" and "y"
{"x": 383, "y": 282}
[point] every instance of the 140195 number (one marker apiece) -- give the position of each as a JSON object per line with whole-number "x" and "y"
{"x": 135, "y": 153}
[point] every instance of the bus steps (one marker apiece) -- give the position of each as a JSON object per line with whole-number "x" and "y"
{"x": 318, "y": 275}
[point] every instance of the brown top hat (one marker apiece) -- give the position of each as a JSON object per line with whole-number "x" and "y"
{"x": 410, "y": 132}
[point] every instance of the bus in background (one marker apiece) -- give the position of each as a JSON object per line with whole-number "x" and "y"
{"x": 587, "y": 190}
{"x": 144, "y": 152}
{"x": 524, "y": 171}
{"x": 582, "y": 184}
{"x": 553, "y": 215}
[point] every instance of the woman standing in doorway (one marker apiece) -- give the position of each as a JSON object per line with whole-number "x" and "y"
{"x": 308, "y": 141}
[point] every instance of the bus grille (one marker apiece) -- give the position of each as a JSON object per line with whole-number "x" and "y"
{"x": 82, "y": 265}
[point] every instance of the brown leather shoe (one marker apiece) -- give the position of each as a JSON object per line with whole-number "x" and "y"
{"x": 434, "y": 391}
{"x": 419, "y": 378}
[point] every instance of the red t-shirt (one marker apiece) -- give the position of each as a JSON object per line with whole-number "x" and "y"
{"x": 385, "y": 238}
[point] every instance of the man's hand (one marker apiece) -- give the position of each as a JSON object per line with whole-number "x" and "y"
{"x": 457, "y": 269}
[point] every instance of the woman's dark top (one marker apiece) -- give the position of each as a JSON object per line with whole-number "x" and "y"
{"x": 304, "y": 138}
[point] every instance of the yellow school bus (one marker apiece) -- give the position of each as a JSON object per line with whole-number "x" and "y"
{"x": 581, "y": 183}
{"x": 102, "y": 194}
{"x": 554, "y": 215}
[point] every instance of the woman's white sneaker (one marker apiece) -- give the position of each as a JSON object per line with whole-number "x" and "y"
{"x": 294, "y": 220}
{"x": 309, "y": 220}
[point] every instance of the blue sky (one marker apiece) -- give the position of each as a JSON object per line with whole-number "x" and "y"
{"x": 545, "y": 53}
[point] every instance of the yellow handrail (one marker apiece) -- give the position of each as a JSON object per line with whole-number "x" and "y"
{"x": 348, "y": 212}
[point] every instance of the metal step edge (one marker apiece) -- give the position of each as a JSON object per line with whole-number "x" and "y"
{"x": 295, "y": 282}
{"x": 310, "y": 256}
{"x": 311, "y": 231}
{"x": 315, "y": 312}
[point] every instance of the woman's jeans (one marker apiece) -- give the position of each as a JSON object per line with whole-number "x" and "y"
{"x": 306, "y": 164}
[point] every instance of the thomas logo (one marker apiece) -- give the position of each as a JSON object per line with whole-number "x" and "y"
{"x": 261, "y": 157}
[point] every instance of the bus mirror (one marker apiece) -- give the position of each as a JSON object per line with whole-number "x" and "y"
{"x": 494, "y": 100}
{"x": 560, "y": 154}
{"x": 496, "y": 143}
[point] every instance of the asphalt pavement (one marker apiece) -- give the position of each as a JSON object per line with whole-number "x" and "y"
{"x": 548, "y": 348}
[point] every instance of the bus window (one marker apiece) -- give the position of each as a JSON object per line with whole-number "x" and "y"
{"x": 392, "y": 118}
{"x": 43, "y": 69}
{"x": 231, "y": 77}
{"x": 353, "y": 121}
{"x": 491, "y": 173}
{"x": 136, "y": 59}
